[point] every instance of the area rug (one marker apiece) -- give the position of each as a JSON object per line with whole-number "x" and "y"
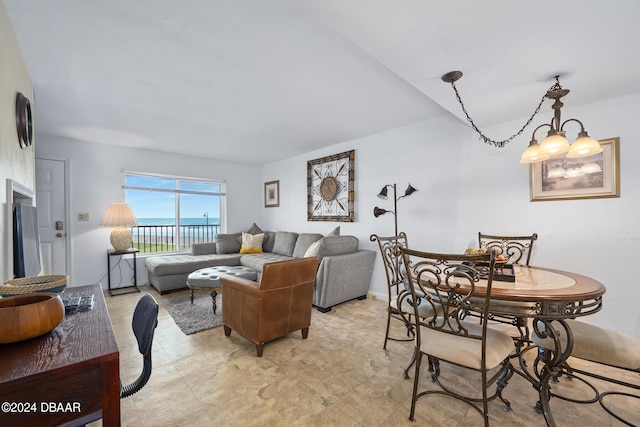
{"x": 193, "y": 318}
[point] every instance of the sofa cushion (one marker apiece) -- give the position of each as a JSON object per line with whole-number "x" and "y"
{"x": 334, "y": 232}
{"x": 304, "y": 241}
{"x": 285, "y": 243}
{"x": 165, "y": 265}
{"x": 269, "y": 240}
{"x": 337, "y": 245}
{"x": 203, "y": 248}
{"x": 228, "y": 243}
{"x": 256, "y": 261}
{"x": 251, "y": 243}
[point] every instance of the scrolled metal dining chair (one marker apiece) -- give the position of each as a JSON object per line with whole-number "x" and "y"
{"x": 601, "y": 346}
{"x": 517, "y": 250}
{"x": 392, "y": 260}
{"x": 447, "y": 282}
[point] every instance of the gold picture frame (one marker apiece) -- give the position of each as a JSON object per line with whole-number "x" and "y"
{"x": 590, "y": 177}
{"x": 272, "y": 194}
{"x": 330, "y": 188}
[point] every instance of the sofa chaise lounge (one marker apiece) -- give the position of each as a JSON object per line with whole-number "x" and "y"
{"x": 344, "y": 271}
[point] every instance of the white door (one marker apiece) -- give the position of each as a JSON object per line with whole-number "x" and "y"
{"x": 50, "y": 203}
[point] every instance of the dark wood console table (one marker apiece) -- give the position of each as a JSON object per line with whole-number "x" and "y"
{"x": 70, "y": 376}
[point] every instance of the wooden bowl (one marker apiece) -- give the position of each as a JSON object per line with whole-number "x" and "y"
{"x": 23, "y": 317}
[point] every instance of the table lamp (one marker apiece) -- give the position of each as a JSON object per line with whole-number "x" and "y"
{"x": 120, "y": 216}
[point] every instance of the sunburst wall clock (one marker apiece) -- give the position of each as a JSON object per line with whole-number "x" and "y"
{"x": 330, "y": 192}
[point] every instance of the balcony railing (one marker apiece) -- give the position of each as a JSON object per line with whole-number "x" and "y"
{"x": 162, "y": 238}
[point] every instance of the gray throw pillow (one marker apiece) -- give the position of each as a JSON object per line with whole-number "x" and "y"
{"x": 228, "y": 243}
{"x": 284, "y": 243}
{"x": 254, "y": 229}
{"x": 335, "y": 232}
{"x": 304, "y": 241}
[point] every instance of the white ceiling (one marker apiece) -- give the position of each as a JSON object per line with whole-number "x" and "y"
{"x": 255, "y": 81}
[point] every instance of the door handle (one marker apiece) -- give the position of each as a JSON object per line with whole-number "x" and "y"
{"x": 59, "y": 235}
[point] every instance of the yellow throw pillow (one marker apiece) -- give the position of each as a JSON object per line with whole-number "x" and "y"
{"x": 251, "y": 243}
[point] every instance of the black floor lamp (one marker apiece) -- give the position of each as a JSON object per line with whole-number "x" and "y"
{"x": 383, "y": 195}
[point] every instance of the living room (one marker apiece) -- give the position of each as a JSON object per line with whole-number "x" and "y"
{"x": 470, "y": 178}
{"x": 464, "y": 186}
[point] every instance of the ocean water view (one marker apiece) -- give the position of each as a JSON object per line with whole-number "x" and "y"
{"x": 183, "y": 221}
{"x": 159, "y": 234}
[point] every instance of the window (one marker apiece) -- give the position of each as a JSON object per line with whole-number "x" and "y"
{"x": 173, "y": 213}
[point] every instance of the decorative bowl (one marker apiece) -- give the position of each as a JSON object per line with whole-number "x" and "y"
{"x": 29, "y": 285}
{"x": 23, "y": 317}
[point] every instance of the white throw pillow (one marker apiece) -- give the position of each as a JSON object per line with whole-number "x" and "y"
{"x": 312, "y": 250}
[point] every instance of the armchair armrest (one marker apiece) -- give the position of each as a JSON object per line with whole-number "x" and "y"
{"x": 239, "y": 284}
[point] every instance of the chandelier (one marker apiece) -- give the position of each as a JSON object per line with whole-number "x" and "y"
{"x": 555, "y": 145}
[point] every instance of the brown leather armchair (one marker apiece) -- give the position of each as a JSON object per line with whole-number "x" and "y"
{"x": 278, "y": 305}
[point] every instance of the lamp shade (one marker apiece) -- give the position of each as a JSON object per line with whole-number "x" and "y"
{"x": 533, "y": 153}
{"x": 410, "y": 190}
{"x": 555, "y": 144}
{"x": 383, "y": 193}
{"x": 584, "y": 146}
{"x": 120, "y": 216}
{"x": 379, "y": 211}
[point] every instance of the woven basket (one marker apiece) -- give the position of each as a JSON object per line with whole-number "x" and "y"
{"x": 29, "y": 285}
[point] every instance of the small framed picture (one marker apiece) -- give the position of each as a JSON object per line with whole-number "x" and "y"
{"x": 580, "y": 178}
{"x": 272, "y": 194}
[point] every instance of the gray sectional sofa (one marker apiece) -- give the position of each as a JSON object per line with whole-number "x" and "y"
{"x": 344, "y": 271}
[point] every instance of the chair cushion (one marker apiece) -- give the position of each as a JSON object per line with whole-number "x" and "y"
{"x": 467, "y": 351}
{"x": 599, "y": 345}
{"x": 424, "y": 309}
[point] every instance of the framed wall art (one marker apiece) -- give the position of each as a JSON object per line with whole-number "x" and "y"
{"x": 330, "y": 193}
{"x": 272, "y": 194}
{"x": 580, "y": 178}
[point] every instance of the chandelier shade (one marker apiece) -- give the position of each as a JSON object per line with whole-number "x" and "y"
{"x": 533, "y": 153}
{"x": 555, "y": 144}
{"x": 584, "y": 146}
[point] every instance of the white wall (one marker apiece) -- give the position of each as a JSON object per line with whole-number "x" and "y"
{"x": 15, "y": 163}
{"x": 466, "y": 186}
{"x": 95, "y": 174}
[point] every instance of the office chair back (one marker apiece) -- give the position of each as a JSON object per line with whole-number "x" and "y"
{"x": 145, "y": 320}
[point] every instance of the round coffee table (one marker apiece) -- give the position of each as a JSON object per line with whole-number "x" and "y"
{"x": 209, "y": 279}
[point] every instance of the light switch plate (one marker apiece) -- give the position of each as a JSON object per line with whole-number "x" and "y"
{"x": 83, "y": 216}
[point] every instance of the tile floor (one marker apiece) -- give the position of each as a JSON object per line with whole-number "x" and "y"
{"x": 339, "y": 376}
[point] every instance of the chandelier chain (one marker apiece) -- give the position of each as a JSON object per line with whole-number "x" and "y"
{"x": 502, "y": 143}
